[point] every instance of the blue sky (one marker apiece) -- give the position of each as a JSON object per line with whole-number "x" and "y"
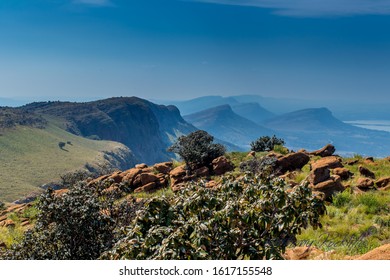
{"x": 180, "y": 49}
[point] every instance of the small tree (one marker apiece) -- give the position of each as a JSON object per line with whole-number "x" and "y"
{"x": 2, "y": 205}
{"x": 61, "y": 145}
{"x": 197, "y": 149}
{"x": 266, "y": 143}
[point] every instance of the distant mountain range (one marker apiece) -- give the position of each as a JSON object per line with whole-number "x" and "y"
{"x": 242, "y": 119}
{"x": 221, "y": 121}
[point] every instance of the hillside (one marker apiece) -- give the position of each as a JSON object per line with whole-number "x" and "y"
{"x": 31, "y": 157}
{"x": 146, "y": 128}
{"x": 223, "y": 123}
{"x": 252, "y": 111}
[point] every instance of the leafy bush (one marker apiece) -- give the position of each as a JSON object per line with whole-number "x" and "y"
{"x": 197, "y": 149}
{"x": 2, "y": 205}
{"x": 250, "y": 218}
{"x": 264, "y": 165}
{"x": 76, "y": 225}
{"x": 266, "y": 143}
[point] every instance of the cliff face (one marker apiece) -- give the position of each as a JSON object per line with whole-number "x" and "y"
{"x": 146, "y": 128}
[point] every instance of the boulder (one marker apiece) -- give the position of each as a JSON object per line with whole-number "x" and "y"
{"x": 365, "y": 184}
{"x": 344, "y": 173}
{"x": 141, "y": 166}
{"x": 369, "y": 159}
{"x": 252, "y": 154}
{"x": 383, "y": 182}
{"x": 366, "y": 172}
{"x": 177, "y": 176}
{"x": 98, "y": 180}
{"x": 319, "y": 174}
{"x": 329, "y": 187}
{"x": 380, "y": 253}
{"x": 116, "y": 177}
{"x": 291, "y": 162}
{"x": 330, "y": 162}
{"x": 352, "y": 162}
{"x": 130, "y": 175}
{"x": 144, "y": 178}
{"x": 152, "y": 186}
{"x": 221, "y": 165}
{"x": 326, "y": 151}
{"x": 163, "y": 167}
{"x": 202, "y": 172}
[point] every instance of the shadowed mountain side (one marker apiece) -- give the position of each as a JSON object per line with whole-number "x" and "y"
{"x": 313, "y": 128}
{"x": 146, "y": 128}
{"x": 252, "y": 111}
{"x": 224, "y": 124}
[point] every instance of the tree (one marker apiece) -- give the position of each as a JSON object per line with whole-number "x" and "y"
{"x": 266, "y": 143}
{"x": 61, "y": 145}
{"x": 197, "y": 149}
{"x": 75, "y": 225}
{"x": 249, "y": 218}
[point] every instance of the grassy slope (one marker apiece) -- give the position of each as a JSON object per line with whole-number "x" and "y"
{"x": 30, "y": 157}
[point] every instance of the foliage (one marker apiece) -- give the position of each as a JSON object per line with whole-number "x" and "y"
{"x": 61, "y": 145}
{"x": 75, "y": 225}
{"x": 250, "y": 218}
{"x": 72, "y": 178}
{"x": 266, "y": 143}
{"x": 197, "y": 149}
{"x": 2, "y": 205}
{"x": 264, "y": 165}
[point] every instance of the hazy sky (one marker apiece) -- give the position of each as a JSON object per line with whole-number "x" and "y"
{"x": 179, "y": 49}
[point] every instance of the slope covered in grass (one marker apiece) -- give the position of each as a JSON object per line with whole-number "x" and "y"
{"x": 30, "y": 157}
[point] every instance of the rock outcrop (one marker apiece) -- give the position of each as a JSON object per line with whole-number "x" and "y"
{"x": 366, "y": 172}
{"x": 326, "y": 151}
{"x": 221, "y": 165}
{"x": 291, "y": 162}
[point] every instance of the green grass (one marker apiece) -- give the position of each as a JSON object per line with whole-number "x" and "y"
{"x": 354, "y": 224}
{"x": 30, "y": 157}
{"x": 161, "y": 192}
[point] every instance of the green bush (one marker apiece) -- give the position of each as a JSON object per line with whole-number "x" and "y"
{"x": 197, "y": 149}
{"x": 2, "y": 205}
{"x": 342, "y": 199}
{"x": 266, "y": 143}
{"x": 250, "y": 218}
{"x": 75, "y": 225}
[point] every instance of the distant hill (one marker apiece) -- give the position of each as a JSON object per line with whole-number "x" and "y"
{"x": 191, "y": 106}
{"x": 225, "y": 124}
{"x": 146, "y": 128}
{"x": 313, "y": 128}
{"x": 252, "y": 111}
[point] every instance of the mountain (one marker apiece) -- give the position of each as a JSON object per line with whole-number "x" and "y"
{"x": 223, "y": 123}
{"x": 313, "y": 128}
{"x": 146, "y": 128}
{"x": 252, "y": 111}
{"x": 191, "y": 106}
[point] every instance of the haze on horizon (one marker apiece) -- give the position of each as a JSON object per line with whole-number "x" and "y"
{"x": 82, "y": 50}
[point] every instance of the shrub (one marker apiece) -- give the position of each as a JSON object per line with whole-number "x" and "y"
{"x": 2, "y": 205}
{"x": 250, "y": 218}
{"x": 75, "y": 225}
{"x": 266, "y": 143}
{"x": 197, "y": 149}
{"x": 263, "y": 165}
{"x": 61, "y": 145}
